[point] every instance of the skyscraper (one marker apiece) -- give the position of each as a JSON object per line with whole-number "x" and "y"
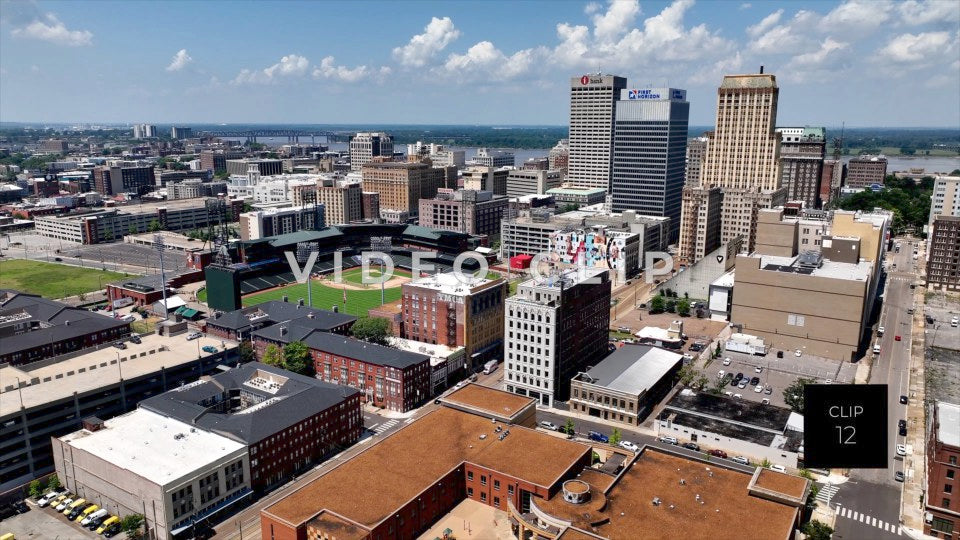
{"x": 592, "y": 113}
{"x": 743, "y": 156}
{"x": 696, "y": 149}
{"x": 649, "y": 152}
{"x": 802, "y": 150}
{"x": 365, "y": 146}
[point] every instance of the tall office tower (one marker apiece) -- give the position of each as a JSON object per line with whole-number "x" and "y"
{"x": 401, "y": 186}
{"x": 802, "y": 151}
{"x": 555, "y": 327}
{"x": 177, "y": 132}
{"x": 649, "y": 152}
{"x": 743, "y": 154}
{"x": 365, "y": 146}
{"x": 143, "y": 131}
{"x": 696, "y": 150}
{"x": 700, "y": 228}
{"x": 593, "y": 101}
{"x": 559, "y": 156}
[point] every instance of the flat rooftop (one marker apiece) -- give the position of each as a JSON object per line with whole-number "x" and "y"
{"x": 98, "y": 369}
{"x": 828, "y": 269}
{"x": 488, "y": 400}
{"x": 449, "y": 283}
{"x": 766, "y": 417}
{"x": 948, "y": 431}
{"x": 370, "y": 487}
{"x": 633, "y": 369}
{"x": 420, "y": 347}
{"x": 155, "y": 447}
{"x": 725, "y": 499}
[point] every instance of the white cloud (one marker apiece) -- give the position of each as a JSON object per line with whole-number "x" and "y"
{"x": 288, "y": 66}
{"x": 52, "y": 30}
{"x": 857, "y": 16}
{"x": 616, "y": 21}
{"x": 819, "y": 56}
{"x": 765, "y": 24}
{"x": 180, "y": 60}
{"x": 918, "y": 49}
{"x": 422, "y": 47}
{"x": 788, "y": 38}
{"x": 913, "y": 12}
{"x": 746, "y": 5}
{"x": 328, "y": 69}
{"x": 485, "y": 59}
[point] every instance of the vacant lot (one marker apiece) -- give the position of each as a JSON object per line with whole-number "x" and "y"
{"x": 52, "y": 280}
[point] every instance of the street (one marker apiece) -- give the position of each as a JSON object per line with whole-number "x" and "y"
{"x": 872, "y": 496}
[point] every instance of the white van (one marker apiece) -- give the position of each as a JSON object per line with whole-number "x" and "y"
{"x": 778, "y": 468}
{"x": 876, "y": 348}
{"x": 94, "y": 516}
{"x": 740, "y": 459}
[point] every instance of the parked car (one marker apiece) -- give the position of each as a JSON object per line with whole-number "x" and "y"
{"x": 209, "y": 349}
{"x": 902, "y": 424}
{"x": 548, "y": 425}
{"x": 930, "y": 319}
{"x": 758, "y": 389}
{"x": 692, "y": 446}
{"x": 903, "y": 400}
{"x": 726, "y": 361}
{"x": 194, "y": 335}
{"x": 63, "y": 504}
{"x": 768, "y": 390}
{"x": 627, "y": 445}
{"x": 758, "y": 369}
{"x": 880, "y": 331}
{"x": 734, "y": 382}
{"x": 599, "y": 437}
{"x": 738, "y": 376}
{"x": 668, "y": 440}
{"x": 896, "y": 338}
{"x": 898, "y": 476}
{"x": 45, "y": 501}
{"x": 797, "y": 353}
{"x": 120, "y": 345}
{"x": 778, "y": 468}
{"x": 754, "y": 381}
{"x": 738, "y": 396}
{"x": 718, "y": 453}
{"x": 742, "y": 384}
{"x": 765, "y": 401}
{"x": 111, "y": 531}
{"x": 135, "y": 339}
{"x": 740, "y": 459}
{"x": 901, "y": 450}
{"x": 20, "y": 506}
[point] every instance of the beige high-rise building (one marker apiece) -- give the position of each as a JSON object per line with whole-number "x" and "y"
{"x": 401, "y": 186}
{"x": 343, "y": 202}
{"x": 696, "y": 150}
{"x": 946, "y": 197}
{"x": 700, "y": 227}
{"x": 593, "y": 107}
{"x": 365, "y": 146}
{"x": 738, "y": 213}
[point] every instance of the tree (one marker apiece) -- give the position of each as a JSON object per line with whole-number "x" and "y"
{"x": 35, "y": 490}
{"x": 616, "y": 437}
{"x": 53, "y": 483}
{"x": 683, "y": 307}
{"x": 569, "y": 428}
{"x": 793, "y": 394}
{"x": 272, "y": 356}
{"x": 131, "y": 525}
{"x": 717, "y": 352}
{"x": 657, "y": 304}
{"x": 372, "y": 329}
{"x": 132, "y": 229}
{"x": 246, "y": 352}
{"x": 671, "y": 305}
{"x": 817, "y": 530}
{"x": 765, "y": 463}
{"x": 154, "y": 226}
{"x": 108, "y": 235}
{"x": 296, "y": 358}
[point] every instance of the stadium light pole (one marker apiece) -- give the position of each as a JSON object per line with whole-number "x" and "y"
{"x": 159, "y": 246}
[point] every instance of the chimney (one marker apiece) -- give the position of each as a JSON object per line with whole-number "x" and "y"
{"x": 761, "y": 70}
{"x": 283, "y": 330}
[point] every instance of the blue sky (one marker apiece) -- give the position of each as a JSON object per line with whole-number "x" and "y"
{"x": 868, "y": 63}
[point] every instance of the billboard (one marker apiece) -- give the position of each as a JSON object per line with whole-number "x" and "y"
{"x": 595, "y": 249}
{"x": 653, "y": 93}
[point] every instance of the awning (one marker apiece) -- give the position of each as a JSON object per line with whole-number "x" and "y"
{"x": 488, "y": 348}
{"x": 200, "y": 517}
{"x": 189, "y": 313}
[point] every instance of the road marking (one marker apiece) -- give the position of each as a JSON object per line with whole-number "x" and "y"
{"x": 408, "y": 420}
{"x": 373, "y": 426}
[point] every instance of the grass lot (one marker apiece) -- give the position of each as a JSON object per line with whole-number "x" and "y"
{"x": 324, "y": 297}
{"x": 355, "y": 276}
{"x": 52, "y": 280}
{"x": 202, "y": 295}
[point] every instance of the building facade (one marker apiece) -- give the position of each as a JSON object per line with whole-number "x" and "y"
{"x": 942, "y": 518}
{"x": 559, "y": 156}
{"x": 738, "y": 213}
{"x": 365, "y": 146}
{"x": 262, "y": 223}
{"x": 468, "y": 211}
{"x": 700, "y": 227}
{"x": 555, "y": 326}
{"x": 493, "y": 158}
{"x": 593, "y": 99}
{"x": 577, "y": 196}
{"x": 266, "y": 167}
{"x": 483, "y": 178}
{"x": 946, "y": 197}
{"x": 943, "y": 261}
{"x": 124, "y": 179}
{"x": 522, "y": 182}
{"x": 401, "y": 186}
{"x": 802, "y": 152}
{"x": 441, "y": 309}
{"x": 865, "y": 171}
{"x": 696, "y": 150}
{"x": 649, "y": 152}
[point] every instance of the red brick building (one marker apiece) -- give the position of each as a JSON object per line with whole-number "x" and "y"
{"x": 942, "y": 519}
{"x": 238, "y": 325}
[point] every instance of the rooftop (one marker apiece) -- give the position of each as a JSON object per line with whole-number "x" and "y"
{"x": 136, "y": 208}
{"x": 157, "y": 448}
{"x": 271, "y": 399}
{"x": 948, "y": 415}
{"x": 485, "y": 400}
{"x": 361, "y": 350}
{"x": 633, "y": 369}
{"x": 449, "y": 283}
{"x": 751, "y": 414}
{"x": 828, "y": 269}
{"x": 420, "y": 347}
{"x": 97, "y": 370}
{"x": 575, "y": 191}
{"x": 276, "y": 311}
{"x": 371, "y": 486}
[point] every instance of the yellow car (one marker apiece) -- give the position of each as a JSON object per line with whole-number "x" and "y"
{"x": 87, "y": 511}
{"x": 107, "y": 523}
{"x": 74, "y": 504}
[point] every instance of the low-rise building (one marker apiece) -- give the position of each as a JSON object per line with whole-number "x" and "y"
{"x": 942, "y": 517}
{"x": 491, "y": 179}
{"x": 238, "y": 325}
{"x": 578, "y": 196}
{"x": 626, "y": 385}
{"x": 522, "y": 182}
{"x": 446, "y": 363}
{"x": 468, "y": 211}
{"x": 275, "y": 221}
{"x": 865, "y": 171}
{"x": 266, "y": 167}
{"x": 745, "y": 428}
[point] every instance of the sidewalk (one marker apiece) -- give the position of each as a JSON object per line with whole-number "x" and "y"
{"x": 914, "y": 464}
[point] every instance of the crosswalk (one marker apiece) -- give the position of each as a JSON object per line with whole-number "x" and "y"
{"x": 380, "y": 428}
{"x": 826, "y": 493}
{"x": 891, "y": 528}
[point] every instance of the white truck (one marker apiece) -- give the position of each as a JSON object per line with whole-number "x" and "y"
{"x": 489, "y": 367}
{"x": 746, "y": 343}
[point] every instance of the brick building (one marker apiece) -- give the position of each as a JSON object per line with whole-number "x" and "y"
{"x": 864, "y": 171}
{"x": 216, "y": 160}
{"x": 239, "y": 324}
{"x": 468, "y": 211}
{"x": 943, "y": 263}
{"x": 401, "y": 186}
{"x": 942, "y": 518}
{"x": 440, "y": 309}
{"x": 124, "y": 179}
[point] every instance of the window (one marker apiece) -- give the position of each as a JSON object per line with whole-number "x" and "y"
{"x": 952, "y": 460}
{"x": 950, "y": 473}
{"x": 496, "y": 502}
{"x": 483, "y": 496}
{"x": 496, "y": 485}
{"x": 483, "y": 480}
{"x": 941, "y": 525}
{"x": 947, "y": 488}
{"x": 946, "y": 502}
{"x": 510, "y": 490}
{"x": 470, "y": 476}
{"x": 469, "y": 492}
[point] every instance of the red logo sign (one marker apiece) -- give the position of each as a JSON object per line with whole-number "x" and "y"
{"x": 585, "y": 80}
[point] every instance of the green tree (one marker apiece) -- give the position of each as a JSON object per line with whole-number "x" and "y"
{"x": 657, "y": 304}
{"x": 793, "y": 394}
{"x": 817, "y": 530}
{"x": 108, "y": 235}
{"x": 569, "y": 207}
{"x": 154, "y": 226}
{"x": 53, "y": 483}
{"x": 296, "y": 358}
{"x": 372, "y": 329}
{"x": 616, "y": 437}
{"x": 765, "y": 463}
{"x": 132, "y": 525}
{"x": 246, "y": 352}
{"x": 569, "y": 428}
{"x": 671, "y": 306}
{"x": 272, "y": 356}
{"x": 132, "y": 229}
{"x": 683, "y": 307}
{"x": 35, "y": 490}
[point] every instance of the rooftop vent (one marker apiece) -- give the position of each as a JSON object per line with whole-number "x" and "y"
{"x": 656, "y": 501}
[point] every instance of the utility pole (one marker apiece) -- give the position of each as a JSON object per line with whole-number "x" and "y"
{"x": 159, "y": 246}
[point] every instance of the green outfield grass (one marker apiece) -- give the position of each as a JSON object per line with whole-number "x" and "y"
{"x": 324, "y": 297}
{"x": 52, "y": 280}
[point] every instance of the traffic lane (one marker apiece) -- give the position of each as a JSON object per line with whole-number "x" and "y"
{"x": 870, "y": 499}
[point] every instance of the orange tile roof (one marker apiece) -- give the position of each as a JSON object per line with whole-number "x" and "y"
{"x": 369, "y": 487}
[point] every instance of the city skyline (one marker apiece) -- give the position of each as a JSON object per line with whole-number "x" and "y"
{"x": 468, "y": 63}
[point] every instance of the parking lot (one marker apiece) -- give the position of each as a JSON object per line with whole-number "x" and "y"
{"x": 43, "y": 523}
{"x": 940, "y": 333}
{"x": 115, "y": 256}
{"x": 779, "y": 373}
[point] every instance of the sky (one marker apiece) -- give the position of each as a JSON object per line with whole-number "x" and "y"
{"x": 866, "y": 63}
